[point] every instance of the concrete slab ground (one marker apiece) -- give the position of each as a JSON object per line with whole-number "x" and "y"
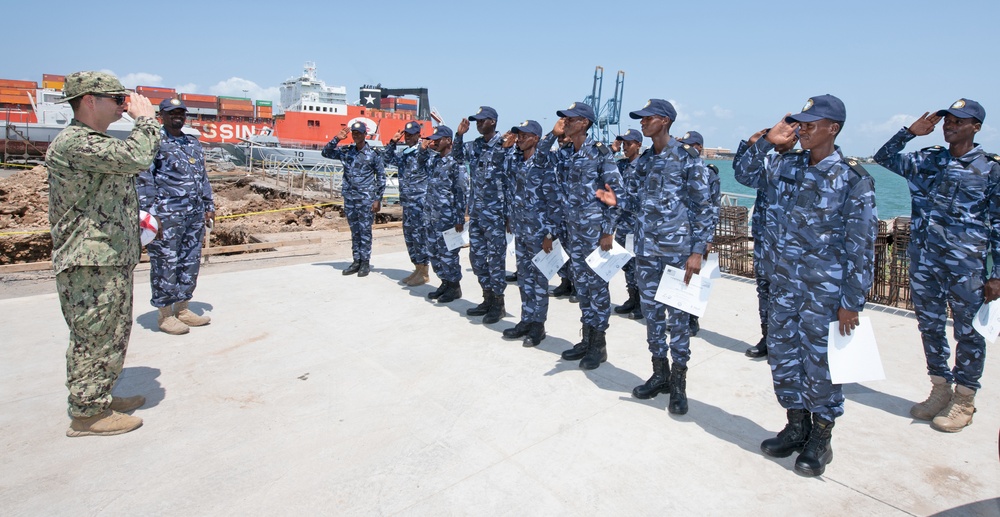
{"x": 316, "y": 393}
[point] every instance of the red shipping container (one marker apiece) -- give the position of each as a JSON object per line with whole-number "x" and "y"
{"x": 145, "y": 90}
{"x": 54, "y": 78}
{"x": 13, "y": 83}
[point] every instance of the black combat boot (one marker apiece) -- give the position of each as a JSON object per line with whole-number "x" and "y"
{"x": 452, "y": 293}
{"x": 435, "y": 294}
{"x": 536, "y": 334}
{"x": 564, "y": 289}
{"x": 517, "y": 331}
{"x": 658, "y": 383}
{"x": 496, "y": 312}
{"x": 630, "y": 304}
{"x": 598, "y": 351}
{"x": 694, "y": 325}
{"x": 678, "y": 390}
{"x": 760, "y": 349}
{"x": 636, "y": 313}
{"x": 353, "y": 268}
{"x": 580, "y": 349}
{"x": 484, "y": 307}
{"x": 818, "y": 452}
{"x": 792, "y": 438}
{"x": 365, "y": 268}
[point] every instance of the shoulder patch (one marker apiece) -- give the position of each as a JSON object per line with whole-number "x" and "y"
{"x": 713, "y": 167}
{"x": 603, "y": 149}
{"x": 857, "y": 168}
{"x": 934, "y": 148}
{"x": 995, "y": 158}
{"x": 692, "y": 151}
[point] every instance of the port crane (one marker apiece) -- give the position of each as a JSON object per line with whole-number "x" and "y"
{"x": 609, "y": 114}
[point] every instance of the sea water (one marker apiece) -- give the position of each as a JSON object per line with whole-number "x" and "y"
{"x": 892, "y": 197}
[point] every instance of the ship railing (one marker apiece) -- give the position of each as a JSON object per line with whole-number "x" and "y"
{"x": 326, "y": 178}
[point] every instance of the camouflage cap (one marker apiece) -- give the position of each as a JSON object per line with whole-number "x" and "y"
{"x": 82, "y": 83}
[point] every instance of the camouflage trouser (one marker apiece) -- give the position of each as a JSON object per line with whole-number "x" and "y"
{"x": 97, "y": 305}
{"x": 488, "y": 251}
{"x": 629, "y": 267}
{"x": 563, "y": 237}
{"x": 763, "y": 284}
{"x": 414, "y": 230}
{"x": 175, "y": 258}
{"x": 932, "y": 285}
{"x": 660, "y": 316}
{"x": 360, "y": 218}
{"x": 445, "y": 263}
{"x": 591, "y": 289}
{"x": 531, "y": 282}
{"x": 798, "y": 326}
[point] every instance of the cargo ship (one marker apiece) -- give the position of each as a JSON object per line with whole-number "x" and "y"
{"x": 309, "y": 114}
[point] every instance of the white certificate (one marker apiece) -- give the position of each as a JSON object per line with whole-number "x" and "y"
{"x": 987, "y": 321}
{"x": 630, "y": 243}
{"x": 710, "y": 266}
{"x": 854, "y": 358}
{"x": 453, "y": 239}
{"x": 691, "y": 298}
{"x": 608, "y": 263}
{"x": 549, "y": 263}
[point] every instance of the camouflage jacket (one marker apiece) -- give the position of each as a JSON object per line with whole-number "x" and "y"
{"x": 364, "y": 173}
{"x": 582, "y": 173}
{"x": 177, "y": 182}
{"x": 411, "y": 173}
{"x": 534, "y": 193}
{"x": 93, "y": 206}
{"x": 444, "y": 204}
{"x": 819, "y": 235}
{"x": 630, "y": 180}
{"x": 488, "y": 180}
{"x": 955, "y": 200}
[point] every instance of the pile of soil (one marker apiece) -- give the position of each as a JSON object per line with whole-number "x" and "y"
{"x": 24, "y": 222}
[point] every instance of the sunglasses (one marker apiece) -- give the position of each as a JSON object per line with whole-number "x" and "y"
{"x": 119, "y": 99}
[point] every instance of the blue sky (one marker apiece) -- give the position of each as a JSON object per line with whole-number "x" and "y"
{"x": 729, "y": 67}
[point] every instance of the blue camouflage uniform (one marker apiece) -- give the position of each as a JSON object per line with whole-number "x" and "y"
{"x": 412, "y": 189}
{"x": 444, "y": 209}
{"x": 363, "y": 185}
{"x": 488, "y": 209}
{"x": 819, "y": 252}
{"x": 626, "y": 219}
{"x": 535, "y": 197}
{"x": 176, "y": 190}
{"x": 674, "y": 219}
{"x": 956, "y": 222}
{"x": 586, "y": 218}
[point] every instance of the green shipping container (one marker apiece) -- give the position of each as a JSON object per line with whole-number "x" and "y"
{"x": 235, "y": 98}
{"x": 263, "y": 103}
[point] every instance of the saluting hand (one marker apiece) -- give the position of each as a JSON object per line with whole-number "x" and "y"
{"x": 139, "y": 106}
{"x": 924, "y": 125}
{"x": 508, "y": 140}
{"x": 616, "y": 146}
{"x": 343, "y": 133}
{"x": 397, "y": 137}
{"x": 782, "y": 132}
{"x": 560, "y": 128}
{"x": 756, "y": 136}
{"x": 463, "y": 126}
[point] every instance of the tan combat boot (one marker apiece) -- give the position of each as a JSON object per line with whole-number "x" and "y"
{"x": 940, "y": 396}
{"x": 170, "y": 324}
{"x": 107, "y": 423}
{"x": 416, "y": 269}
{"x": 189, "y": 318}
{"x": 126, "y": 404}
{"x": 958, "y": 413}
{"x": 420, "y": 276}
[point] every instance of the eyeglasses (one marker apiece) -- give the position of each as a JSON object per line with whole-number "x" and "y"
{"x": 119, "y": 99}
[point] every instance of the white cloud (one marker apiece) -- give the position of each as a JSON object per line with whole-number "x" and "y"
{"x": 888, "y": 126}
{"x": 239, "y": 87}
{"x": 141, "y": 79}
{"x": 721, "y": 112}
{"x": 187, "y": 88}
{"x": 681, "y": 116}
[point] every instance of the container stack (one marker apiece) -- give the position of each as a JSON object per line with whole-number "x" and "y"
{"x": 16, "y": 94}
{"x": 235, "y": 107}
{"x": 55, "y": 82}
{"x": 264, "y": 109}
{"x": 156, "y": 94}
{"x": 204, "y": 105}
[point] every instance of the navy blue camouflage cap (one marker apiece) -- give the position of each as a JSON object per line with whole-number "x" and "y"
{"x": 692, "y": 138}
{"x": 528, "y": 126}
{"x": 633, "y": 135}
{"x": 79, "y": 84}
{"x": 965, "y": 108}
{"x": 484, "y": 112}
{"x": 172, "y": 104}
{"x": 441, "y": 132}
{"x": 820, "y": 107}
{"x": 579, "y": 109}
{"x": 412, "y": 128}
{"x": 360, "y": 127}
{"x": 655, "y": 107}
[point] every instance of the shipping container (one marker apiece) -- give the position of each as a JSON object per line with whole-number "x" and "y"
{"x": 14, "y": 99}
{"x": 13, "y": 83}
{"x": 247, "y": 99}
{"x": 55, "y": 85}
{"x": 195, "y": 97}
{"x": 54, "y": 78}
{"x": 145, "y": 90}
{"x": 404, "y": 107}
{"x": 199, "y": 104}
{"x": 202, "y": 111}
{"x": 402, "y": 100}
{"x": 264, "y": 103}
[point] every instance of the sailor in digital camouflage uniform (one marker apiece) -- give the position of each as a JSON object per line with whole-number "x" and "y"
{"x": 175, "y": 189}
{"x": 630, "y": 143}
{"x": 94, "y": 213}
{"x": 757, "y": 231}
{"x": 697, "y": 142}
{"x": 820, "y": 237}
{"x": 674, "y": 222}
{"x": 535, "y": 196}
{"x": 412, "y": 188}
{"x": 586, "y": 165}
{"x": 362, "y": 189}
{"x": 444, "y": 209}
{"x": 954, "y": 228}
{"x": 488, "y": 210}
